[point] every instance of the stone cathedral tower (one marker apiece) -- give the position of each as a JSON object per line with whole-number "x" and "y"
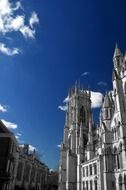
{"x": 77, "y": 134}
{"x": 94, "y": 158}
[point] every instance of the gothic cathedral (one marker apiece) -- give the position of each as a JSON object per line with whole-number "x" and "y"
{"x": 94, "y": 157}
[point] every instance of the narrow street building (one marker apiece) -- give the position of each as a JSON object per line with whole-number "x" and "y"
{"x": 8, "y": 158}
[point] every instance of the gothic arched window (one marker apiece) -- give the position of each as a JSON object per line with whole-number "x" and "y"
{"x": 116, "y": 159}
{"x": 120, "y": 146}
{"x": 115, "y": 131}
{"x": 82, "y": 115}
{"x": 95, "y": 184}
{"x": 120, "y": 182}
{"x": 120, "y": 155}
{"x": 85, "y": 140}
{"x": 123, "y": 70}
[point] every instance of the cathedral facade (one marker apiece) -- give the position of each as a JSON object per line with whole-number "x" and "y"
{"x": 94, "y": 157}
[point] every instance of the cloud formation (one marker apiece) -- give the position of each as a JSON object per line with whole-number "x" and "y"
{"x": 32, "y": 148}
{"x": 85, "y": 73}
{"x": 7, "y": 51}
{"x": 18, "y": 135}
{"x": 9, "y": 124}
{"x": 3, "y": 108}
{"x": 59, "y": 145}
{"x": 33, "y": 19}
{"x": 66, "y": 99}
{"x": 96, "y": 99}
{"x": 10, "y": 21}
{"x": 102, "y": 83}
{"x": 63, "y": 108}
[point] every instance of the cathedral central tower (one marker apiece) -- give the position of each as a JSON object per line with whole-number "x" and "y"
{"x": 78, "y": 117}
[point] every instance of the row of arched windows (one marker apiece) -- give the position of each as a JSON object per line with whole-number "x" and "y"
{"x": 90, "y": 185}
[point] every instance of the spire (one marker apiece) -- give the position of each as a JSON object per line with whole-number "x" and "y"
{"x": 79, "y": 85}
{"x": 117, "y": 51}
{"x": 76, "y": 87}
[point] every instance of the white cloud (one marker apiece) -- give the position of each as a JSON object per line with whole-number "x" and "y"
{"x": 3, "y": 108}
{"x": 17, "y": 6}
{"x": 7, "y": 51}
{"x": 5, "y": 7}
{"x": 63, "y": 108}
{"x": 18, "y": 135}
{"x": 66, "y": 99}
{"x": 102, "y": 83}
{"x": 11, "y": 21}
{"x": 17, "y": 23}
{"x": 21, "y": 145}
{"x": 33, "y": 20}
{"x": 27, "y": 32}
{"x": 96, "y": 99}
{"x": 9, "y": 125}
{"x": 32, "y": 148}
{"x": 59, "y": 145}
{"x": 85, "y": 73}
{"x": 51, "y": 170}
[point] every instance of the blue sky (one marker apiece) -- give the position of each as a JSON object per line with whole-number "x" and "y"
{"x": 45, "y": 46}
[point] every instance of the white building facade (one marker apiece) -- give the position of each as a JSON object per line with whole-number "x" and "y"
{"x": 94, "y": 157}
